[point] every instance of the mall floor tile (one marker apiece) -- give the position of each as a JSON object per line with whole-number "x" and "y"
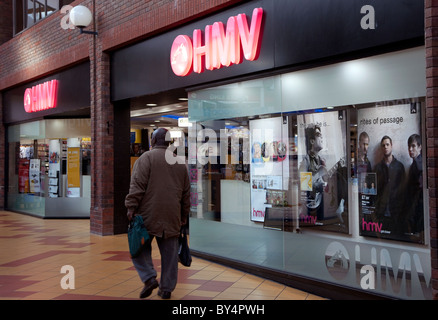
{"x": 34, "y": 251}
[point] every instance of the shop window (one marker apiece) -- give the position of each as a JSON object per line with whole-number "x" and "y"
{"x": 50, "y": 167}
{"x": 29, "y": 12}
{"x": 289, "y": 170}
{"x": 295, "y": 171}
{"x": 284, "y": 177}
{"x": 389, "y": 171}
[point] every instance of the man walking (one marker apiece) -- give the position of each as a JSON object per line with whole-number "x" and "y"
{"x": 160, "y": 193}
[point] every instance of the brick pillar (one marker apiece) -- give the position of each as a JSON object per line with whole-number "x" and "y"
{"x": 102, "y": 132}
{"x": 431, "y": 33}
{"x": 2, "y": 156}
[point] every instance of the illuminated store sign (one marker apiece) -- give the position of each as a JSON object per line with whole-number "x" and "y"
{"x": 41, "y": 97}
{"x": 222, "y": 47}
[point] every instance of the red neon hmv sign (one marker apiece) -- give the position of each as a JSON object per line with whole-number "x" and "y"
{"x": 41, "y": 97}
{"x": 222, "y": 47}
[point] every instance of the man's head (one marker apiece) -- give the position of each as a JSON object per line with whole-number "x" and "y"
{"x": 386, "y": 145}
{"x": 159, "y": 138}
{"x": 364, "y": 142}
{"x": 414, "y": 145}
{"x": 314, "y": 140}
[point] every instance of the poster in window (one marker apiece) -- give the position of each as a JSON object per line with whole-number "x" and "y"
{"x": 34, "y": 176}
{"x": 322, "y": 171}
{"x": 54, "y": 164}
{"x": 390, "y": 172}
{"x": 73, "y": 172}
{"x": 269, "y": 165}
{"x": 23, "y": 175}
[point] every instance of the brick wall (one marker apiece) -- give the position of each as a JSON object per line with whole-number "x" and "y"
{"x": 40, "y": 50}
{"x": 46, "y": 47}
{"x": 431, "y": 33}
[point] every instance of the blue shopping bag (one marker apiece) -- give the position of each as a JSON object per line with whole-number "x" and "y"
{"x": 137, "y": 236}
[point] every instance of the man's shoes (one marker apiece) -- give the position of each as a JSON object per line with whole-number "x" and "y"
{"x": 164, "y": 294}
{"x": 149, "y": 286}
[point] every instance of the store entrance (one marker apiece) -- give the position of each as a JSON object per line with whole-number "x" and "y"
{"x": 135, "y": 120}
{"x": 145, "y": 121}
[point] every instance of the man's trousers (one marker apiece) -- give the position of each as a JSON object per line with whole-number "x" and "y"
{"x": 169, "y": 263}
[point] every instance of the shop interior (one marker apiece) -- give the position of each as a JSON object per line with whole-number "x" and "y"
{"x": 50, "y": 167}
{"x": 149, "y": 113}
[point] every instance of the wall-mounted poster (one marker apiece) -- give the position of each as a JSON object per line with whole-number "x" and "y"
{"x": 390, "y": 172}
{"x": 269, "y": 164}
{"x": 323, "y": 171}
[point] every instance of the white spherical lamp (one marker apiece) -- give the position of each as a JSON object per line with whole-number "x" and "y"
{"x": 81, "y": 16}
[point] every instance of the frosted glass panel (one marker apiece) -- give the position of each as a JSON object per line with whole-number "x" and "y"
{"x": 394, "y": 76}
{"x": 256, "y": 97}
{"x": 386, "y": 77}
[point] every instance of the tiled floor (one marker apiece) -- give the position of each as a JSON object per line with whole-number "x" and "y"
{"x": 33, "y": 252}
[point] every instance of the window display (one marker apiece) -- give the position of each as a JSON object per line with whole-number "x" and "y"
{"x": 269, "y": 165}
{"x": 389, "y": 171}
{"x": 297, "y": 171}
{"x": 54, "y": 168}
{"x": 47, "y": 168}
{"x": 323, "y": 171}
{"x": 305, "y": 199}
{"x": 333, "y": 182}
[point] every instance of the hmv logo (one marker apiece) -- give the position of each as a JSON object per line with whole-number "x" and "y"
{"x": 219, "y": 47}
{"x": 258, "y": 213}
{"x": 41, "y": 97}
{"x": 401, "y": 272}
{"x": 371, "y": 226}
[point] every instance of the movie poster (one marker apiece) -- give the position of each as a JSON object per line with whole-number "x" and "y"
{"x": 23, "y": 175}
{"x": 34, "y": 176}
{"x": 269, "y": 165}
{"x": 389, "y": 171}
{"x": 73, "y": 172}
{"x": 54, "y": 167}
{"x": 323, "y": 172}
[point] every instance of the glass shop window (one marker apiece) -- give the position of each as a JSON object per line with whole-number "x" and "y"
{"x": 48, "y": 160}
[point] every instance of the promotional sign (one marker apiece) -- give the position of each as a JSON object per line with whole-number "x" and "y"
{"x": 34, "y": 176}
{"x": 54, "y": 167}
{"x": 269, "y": 166}
{"x": 73, "y": 172}
{"x": 323, "y": 172}
{"x": 390, "y": 172}
{"x": 23, "y": 176}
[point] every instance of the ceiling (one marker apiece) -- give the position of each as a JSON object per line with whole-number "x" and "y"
{"x": 159, "y": 116}
{"x": 159, "y": 110}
